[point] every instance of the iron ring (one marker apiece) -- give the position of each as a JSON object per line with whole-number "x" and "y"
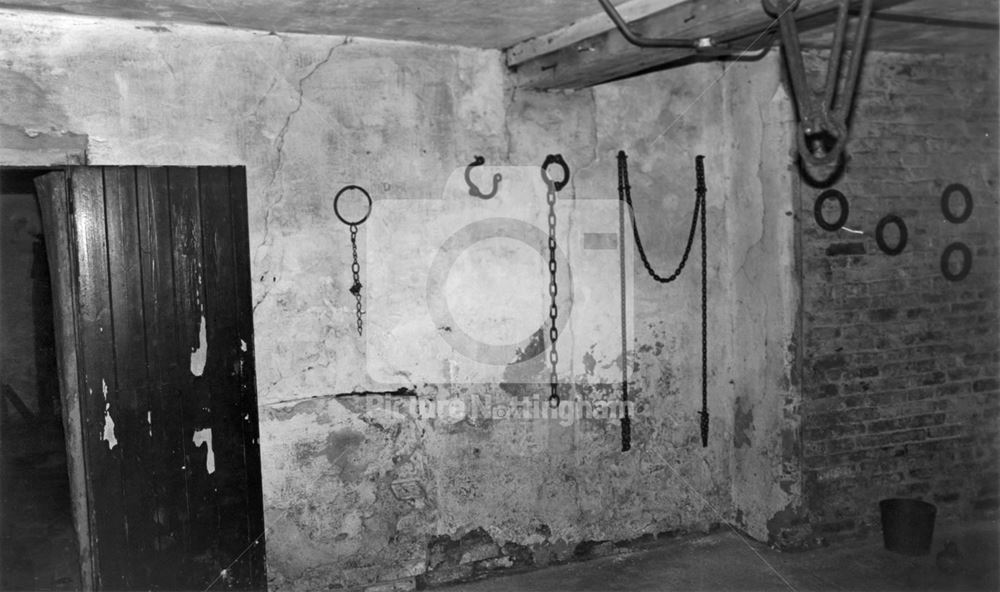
{"x": 336, "y": 205}
{"x": 903, "y": 234}
{"x": 945, "y": 206}
{"x": 818, "y": 210}
{"x": 966, "y": 261}
{"x": 555, "y": 159}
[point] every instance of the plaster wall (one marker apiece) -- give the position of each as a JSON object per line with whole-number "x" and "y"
{"x": 364, "y": 489}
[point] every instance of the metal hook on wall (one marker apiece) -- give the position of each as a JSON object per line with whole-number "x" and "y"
{"x": 474, "y": 190}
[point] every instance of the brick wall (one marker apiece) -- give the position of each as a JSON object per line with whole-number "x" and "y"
{"x": 900, "y": 365}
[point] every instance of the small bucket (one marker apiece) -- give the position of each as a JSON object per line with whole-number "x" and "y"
{"x": 907, "y": 525}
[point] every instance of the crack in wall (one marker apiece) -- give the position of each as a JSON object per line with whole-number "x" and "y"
{"x": 280, "y": 152}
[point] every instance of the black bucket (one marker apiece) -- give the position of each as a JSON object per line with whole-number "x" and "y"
{"x": 907, "y": 525}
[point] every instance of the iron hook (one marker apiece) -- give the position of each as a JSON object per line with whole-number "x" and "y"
{"x": 474, "y": 190}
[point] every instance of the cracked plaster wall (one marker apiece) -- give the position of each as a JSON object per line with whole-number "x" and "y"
{"x": 354, "y": 494}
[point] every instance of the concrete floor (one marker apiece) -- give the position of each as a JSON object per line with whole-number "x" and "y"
{"x": 727, "y": 561}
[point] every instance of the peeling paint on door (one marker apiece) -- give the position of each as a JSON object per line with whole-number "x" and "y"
{"x": 200, "y": 354}
{"x": 109, "y": 423}
{"x": 205, "y": 437}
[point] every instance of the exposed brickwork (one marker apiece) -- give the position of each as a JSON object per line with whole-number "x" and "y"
{"x": 900, "y": 365}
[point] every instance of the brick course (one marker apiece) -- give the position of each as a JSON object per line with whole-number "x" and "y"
{"x": 900, "y": 366}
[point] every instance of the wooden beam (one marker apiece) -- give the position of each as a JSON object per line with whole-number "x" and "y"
{"x": 568, "y": 59}
{"x": 583, "y": 29}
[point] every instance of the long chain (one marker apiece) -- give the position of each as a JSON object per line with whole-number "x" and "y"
{"x": 626, "y": 421}
{"x": 356, "y": 271}
{"x": 701, "y": 190}
{"x": 553, "y": 291}
{"x": 700, "y": 207}
{"x": 626, "y": 191}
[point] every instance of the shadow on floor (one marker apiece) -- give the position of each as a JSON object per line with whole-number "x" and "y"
{"x": 728, "y": 561}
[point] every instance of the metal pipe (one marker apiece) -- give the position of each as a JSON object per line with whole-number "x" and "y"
{"x": 631, "y": 37}
{"x": 796, "y": 67}
{"x": 706, "y": 46}
{"x": 833, "y": 67}
{"x": 822, "y": 130}
{"x": 856, "y": 56}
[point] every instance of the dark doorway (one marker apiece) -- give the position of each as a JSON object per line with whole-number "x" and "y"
{"x": 38, "y": 550}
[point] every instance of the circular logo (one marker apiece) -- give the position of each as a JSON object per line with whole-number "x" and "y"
{"x": 450, "y": 251}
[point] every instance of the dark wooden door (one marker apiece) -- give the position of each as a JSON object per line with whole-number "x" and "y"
{"x": 160, "y": 307}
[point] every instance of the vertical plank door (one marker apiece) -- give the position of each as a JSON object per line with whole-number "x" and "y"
{"x": 159, "y": 304}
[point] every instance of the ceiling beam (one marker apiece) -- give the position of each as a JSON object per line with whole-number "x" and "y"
{"x": 583, "y": 29}
{"x": 592, "y": 51}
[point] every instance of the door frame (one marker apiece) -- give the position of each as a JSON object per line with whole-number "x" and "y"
{"x": 56, "y": 232}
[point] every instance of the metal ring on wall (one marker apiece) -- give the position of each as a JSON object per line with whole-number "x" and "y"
{"x": 555, "y": 159}
{"x": 946, "y": 206}
{"x": 818, "y": 209}
{"x": 903, "y": 234}
{"x": 336, "y": 205}
{"x": 966, "y": 261}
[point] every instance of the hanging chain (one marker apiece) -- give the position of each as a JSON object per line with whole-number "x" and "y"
{"x": 356, "y": 271}
{"x": 553, "y": 291}
{"x": 553, "y": 187}
{"x": 626, "y": 192}
{"x": 701, "y": 190}
{"x": 700, "y": 208}
{"x": 626, "y": 421}
{"x": 353, "y": 225}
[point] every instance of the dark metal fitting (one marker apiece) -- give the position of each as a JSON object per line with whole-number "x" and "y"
{"x": 555, "y": 159}
{"x": 474, "y": 190}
